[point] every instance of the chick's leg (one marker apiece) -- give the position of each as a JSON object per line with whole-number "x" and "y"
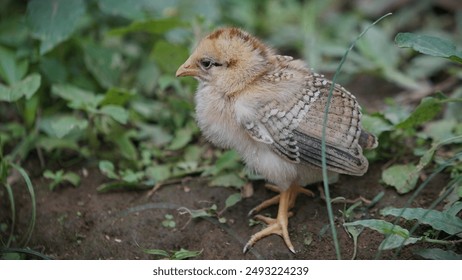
{"x": 279, "y": 225}
{"x": 295, "y": 189}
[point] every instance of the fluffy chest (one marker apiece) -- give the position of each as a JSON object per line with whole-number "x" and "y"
{"x": 216, "y": 117}
{"x": 220, "y": 121}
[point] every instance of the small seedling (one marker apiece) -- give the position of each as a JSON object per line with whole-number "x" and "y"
{"x": 168, "y": 222}
{"x": 59, "y": 177}
{"x": 182, "y": 254}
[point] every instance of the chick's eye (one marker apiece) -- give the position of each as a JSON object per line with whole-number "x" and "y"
{"x": 206, "y": 63}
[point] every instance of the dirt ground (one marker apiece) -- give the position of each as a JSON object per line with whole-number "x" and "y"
{"x": 80, "y": 223}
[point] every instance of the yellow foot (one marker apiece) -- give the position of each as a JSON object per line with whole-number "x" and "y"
{"x": 295, "y": 190}
{"x": 275, "y": 226}
{"x": 279, "y": 225}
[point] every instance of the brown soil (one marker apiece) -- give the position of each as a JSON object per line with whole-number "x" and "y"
{"x": 80, "y": 223}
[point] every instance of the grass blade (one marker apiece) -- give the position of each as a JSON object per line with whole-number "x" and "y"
{"x": 9, "y": 192}
{"x": 323, "y": 141}
{"x": 30, "y": 188}
{"x": 28, "y": 252}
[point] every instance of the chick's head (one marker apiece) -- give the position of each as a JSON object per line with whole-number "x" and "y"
{"x": 228, "y": 59}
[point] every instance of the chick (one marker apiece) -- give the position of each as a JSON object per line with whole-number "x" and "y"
{"x": 270, "y": 109}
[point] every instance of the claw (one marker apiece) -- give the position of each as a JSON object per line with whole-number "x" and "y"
{"x": 275, "y": 226}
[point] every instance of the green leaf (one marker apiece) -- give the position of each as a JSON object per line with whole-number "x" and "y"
{"x": 436, "y": 219}
{"x": 147, "y": 76}
{"x": 62, "y": 126}
{"x": 424, "y": 161}
{"x": 116, "y": 112}
{"x": 409, "y": 184}
{"x": 208, "y": 10}
{"x": 227, "y": 180}
{"x": 168, "y": 80}
{"x": 53, "y": 21}
{"x": 395, "y": 113}
{"x": 72, "y": 178}
{"x": 154, "y": 26}
{"x": 128, "y": 9}
{"x": 169, "y": 56}
{"x": 349, "y": 213}
{"x": 441, "y": 130}
{"x": 168, "y": 222}
{"x": 182, "y": 137}
{"x": 355, "y": 231}
{"x": 104, "y": 64}
{"x": 125, "y": 145}
{"x": 381, "y": 226}
{"x": 428, "y": 108}
{"x": 13, "y": 256}
{"x": 429, "y": 45}
{"x": 13, "y": 31}
{"x": 26, "y": 87}
{"x": 117, "y": 96}
{"x": 11, "y": 70}
{"x": 107, "y": 168}
{"x": 60, "y": 176}
{"x": 50, "y": 143}
{"x": 183, "y": 254}
{"x": 229, "y": 160}
{"x": 401, "y": 176}
{"x": 156, "y": 133}
{"x": 156, "y": 252}
{"x": 438, "y": 254}
{"x": 159, "y": 172}
{"x": 395, "y": 241}
{"x": 48, "y": 174}
{"x": 193, "y": 153}
{"x": 184, "y": 168}
{"x": 198, "y": 213}
{"x": 122, "y": 185}
{"x": 375, "y": 124}
{"x": 54, "y": 70}
{"x": 77, "y": 98}
{"x": 232, "y": 200}
{"x": 453, "y": 109}
{"x": 30, "y": 110}
{"x": 455, "y": 208}
{"x": 396, "y": 235}
{"x": 404, "y": 177}
{"x": 131, "y": 176}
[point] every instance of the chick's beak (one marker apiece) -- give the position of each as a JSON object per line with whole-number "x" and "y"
{"x": 187, "y": 69}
